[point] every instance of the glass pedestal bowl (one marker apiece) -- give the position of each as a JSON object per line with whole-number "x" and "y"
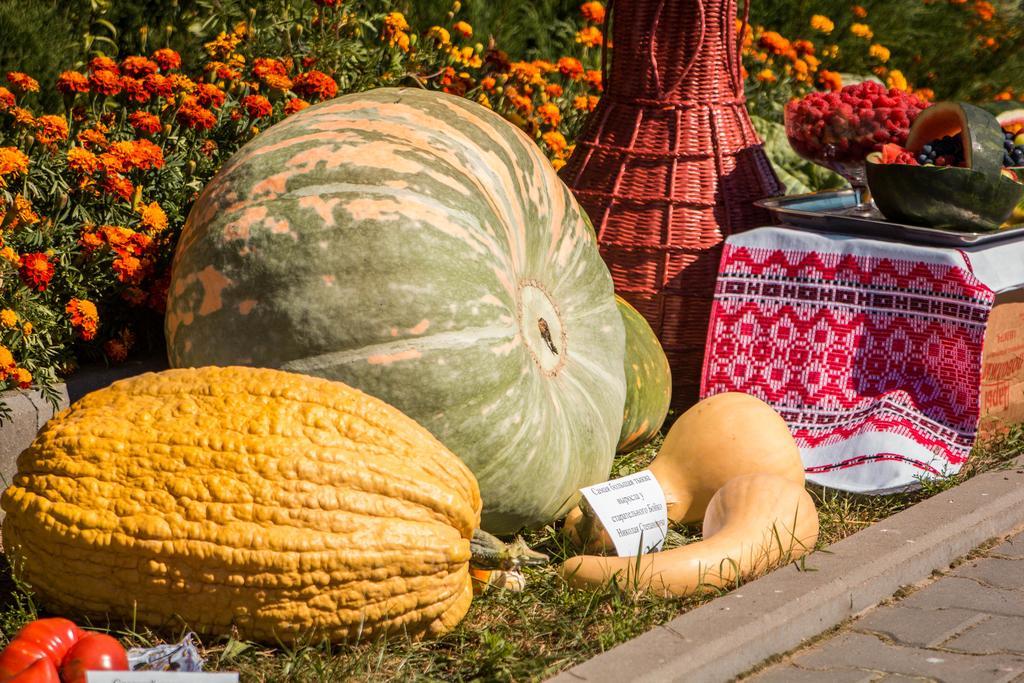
{"x": 841, "y": 138}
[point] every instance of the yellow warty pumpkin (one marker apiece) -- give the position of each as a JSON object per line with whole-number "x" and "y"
{"x": 280, "y": 504}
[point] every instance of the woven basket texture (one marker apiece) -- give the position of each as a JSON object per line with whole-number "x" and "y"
{"x": 669, "y": 164}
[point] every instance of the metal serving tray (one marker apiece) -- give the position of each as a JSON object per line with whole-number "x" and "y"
{"x": 824, "y": 212}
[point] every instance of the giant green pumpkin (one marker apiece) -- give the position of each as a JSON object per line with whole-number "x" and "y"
{"x": 648, "y": 381}
{"x": 421, "y": 248}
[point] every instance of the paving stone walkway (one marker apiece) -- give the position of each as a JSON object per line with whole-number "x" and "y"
{"x": 966, "y": 625}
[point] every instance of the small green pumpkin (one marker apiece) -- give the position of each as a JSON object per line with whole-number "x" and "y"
{"x": 648, "y": 381}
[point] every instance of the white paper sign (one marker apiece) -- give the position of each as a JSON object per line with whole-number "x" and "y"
{"x": 632, "y": 510}
{"x": 160, "y": 677}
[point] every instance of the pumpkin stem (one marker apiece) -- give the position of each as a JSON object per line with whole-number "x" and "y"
{"x": 489, "y": 552}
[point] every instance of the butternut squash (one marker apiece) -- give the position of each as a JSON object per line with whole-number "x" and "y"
{"x": 278, "y": 504}
{"x": 720, "y": 438}
{"x": 753, "y": 523}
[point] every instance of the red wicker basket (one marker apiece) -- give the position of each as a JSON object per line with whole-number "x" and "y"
{"x": 669, "y": 164}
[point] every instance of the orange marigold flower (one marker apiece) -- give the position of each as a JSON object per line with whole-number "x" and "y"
{"x": 439, "y": 34}
{"x": 24, "y": 212}
{"x": 128, "y": 269}
{"x": 585, "y": 103}
{"x": 830, "y": 80}
{"x": 93, "y": 138}
{"x": 152, "y": 217}
{"x": 7, "y": 99}
{"x": 36, "y": 270}
{"x": 104, "y": 64}
{"x": 278, "y": 82}
{"x": 766, "y": 76}
{"x": 167, "y": 59}
{"x": 820, "y": 22}
{"x": 555, "y": 141}
{"x": 859, "y": 11}
{"x": 394, "y": 31}
{"x": 8, "y": 317}
{"x": 222, "y": 71}
{"x": 138, "y": 66}
{"x": 158, "y": 85}
{"x": 22, "y": 83}
{"x": 526, "y": 72}
{"x": 984, "y": 10}
{"x": 862, "y": 31}
{"x": 264, "y": 66}
{"x": 84, "y": 318}
{"x": 116, "y": 236}
{"x": 1004, "y": 96}
{"x": 26, "y": 329}
{"x": 135, "y": 90}
{"x": 463, "y": 29}
{"x": 926, "y": 94}
{"x": 257, "y": 106}
{"x": 193, "y": 116}
{"x": 549, "y": 114}
{"x": 8, "y": 254}
{"x": 315, "y": 85}
{"x": 803, "y": 47}
{"x": 570, "y": 67}
{"x": 12, "y": 161}
{"x": 879, "y": 52}
{"x": 209, "y": 95}
{"x": 23, "y": 117}
{"x": 774, "y": 42}
{"x": 144, "y": 122}
{"x": 7, "y": 363}
{"x": 223, "y": 45}
{"x": 182, "y": 83}
{"x": 71, "y": 82}
{"x": 896, "y": 80}
{"x": 593, "y": 79}
{"x": 119, "y": 186}
{"x": 139, "y": 244}
{"x": 488, "y": 83}
{"x": 521, "y": 102}
{"x": 90, "y": 241}
{"x": 22, "y": 377}
{"x": 138, "y": 154}
{"x": 105, "y": 82}
{"x": 590, "y": 36}
{"x": 553, "y": 90}
{"x": 295, "y": 105}
{"x": 593, "y": 11}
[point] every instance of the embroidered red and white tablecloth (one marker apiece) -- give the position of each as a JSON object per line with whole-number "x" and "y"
{"x": 870, "y": 350}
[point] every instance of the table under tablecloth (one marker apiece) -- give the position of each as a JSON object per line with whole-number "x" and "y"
{"x": 870, "y": 349}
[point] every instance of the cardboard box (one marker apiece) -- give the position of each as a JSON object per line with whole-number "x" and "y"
{"x": 1002, "y": 364}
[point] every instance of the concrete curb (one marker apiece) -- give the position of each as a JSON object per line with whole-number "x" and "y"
{"x": 774, "y": 614}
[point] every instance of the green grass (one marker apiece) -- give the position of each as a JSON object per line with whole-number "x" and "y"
{"x": 518, "y": 636}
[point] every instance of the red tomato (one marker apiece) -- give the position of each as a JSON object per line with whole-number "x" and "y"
{"x": 54, "y": 637}
{"x": 18, "y": 656}
{"x": 93, "y": 652}
{"x": 43, "y": 671}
